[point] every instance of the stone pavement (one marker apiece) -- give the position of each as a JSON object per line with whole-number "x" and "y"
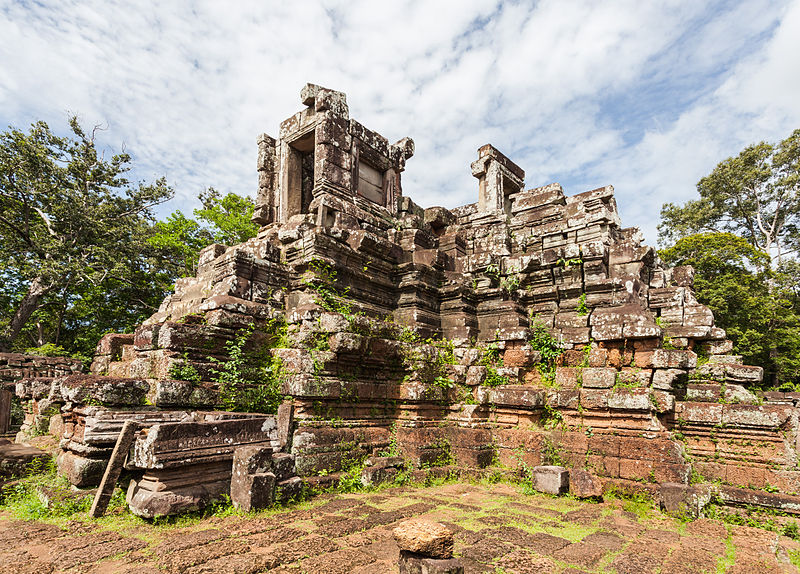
{"x": 498, "y": 530}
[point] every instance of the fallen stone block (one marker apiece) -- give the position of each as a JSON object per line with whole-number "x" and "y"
{"x": 177, "y": 444}
{"x": 289, "y": 490}
{"x": 17, "y": 459}
{"x": 372, "y": 476}
{"x": 164, "y": 492}
{"x": 81, "y": 471}
{"x": 682, "y": 500}
{"x": 411, "y": 563}
{"x": 583, "y": 484}
{"x": 251, "y": 460}
{"x": 424, "y": 537}
{"x": 283, "y": 466}
{"x": 253, "y": 491}
{"x": 551, "y": 479}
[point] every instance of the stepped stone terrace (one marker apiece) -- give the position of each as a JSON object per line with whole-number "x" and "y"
{"x": 528, "y": 329}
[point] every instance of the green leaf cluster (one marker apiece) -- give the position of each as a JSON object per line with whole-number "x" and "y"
{"x": 73, "y": 236}
{"x": 741, "y": 236}
{"x": 221, "y": 219}
{"x": 81, "y": 252}
{"x": 251, "y": 379}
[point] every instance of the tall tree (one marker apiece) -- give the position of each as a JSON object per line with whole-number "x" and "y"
{"x": 755, "y": 195}
{"x": 742, "y": 237}
{"x": 68, "y": 217}
{"x": 222, "y": 219}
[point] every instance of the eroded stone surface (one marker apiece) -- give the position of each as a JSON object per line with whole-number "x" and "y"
{"x": 426, "y": 538}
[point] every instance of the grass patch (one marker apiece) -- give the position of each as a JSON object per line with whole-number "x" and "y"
{"x": 726, "y": 561}
{"x": 794, "y": 557}
{"x": 569, "y": 530}
{"x": 638, "y": 503}
{"x": 42, "y": 494}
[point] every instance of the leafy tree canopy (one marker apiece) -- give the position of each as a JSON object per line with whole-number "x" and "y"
{"x": 225, "y": 220}
{"x": 81, "y": 253}
{"x": 68, "y": 218}
{"x": 741, "y": 237}
{"x": 755, "y": 195}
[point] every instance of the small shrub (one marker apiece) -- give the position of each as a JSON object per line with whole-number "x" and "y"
{"x": 250, "y": 381}
{"x": 791, "y": 530}
{"x": 184, "y": 371}
{"x": 582, "y": 309}
{"x": 549, "y": 349}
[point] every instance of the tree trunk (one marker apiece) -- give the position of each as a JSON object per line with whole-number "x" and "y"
{"x": 30, "y": 302}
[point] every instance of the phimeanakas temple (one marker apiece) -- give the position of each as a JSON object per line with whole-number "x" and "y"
{"x": 528, "y": 330}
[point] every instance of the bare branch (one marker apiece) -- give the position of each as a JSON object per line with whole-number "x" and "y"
{"x": 46, "y": 221}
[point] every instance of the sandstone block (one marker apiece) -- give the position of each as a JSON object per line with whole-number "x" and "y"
{"x": 599, "y": 377}
{"x": 584, "y": 484}
{"x": 551, "y": 479}
{"x": 111, "y": 344}
{"x": 598, "y": 357}
{"x": 476, "y": 375}
{"x": 567, "y": 377}
{"x": 374, "y": 475}
{"x": 769, "y": 416}
{"x": 468, "y": 357}
{"x": 703, "y": 413}
{"x": 663, "y": 401}
{"x": 333, "y": 323}
{"x": 730, "y": 359}
{"x": 594, "y": 398}
{"x": 105, "y": 390}
{"x": 251, "y": 460}
{"x": 718, "y": 347}
{"x": 346, "y": 343}
{"x": 669, "y": 379}
{"x": 167, "y": 492}
{"x": 16, "y": 459}
{"x": 80, "y": 471}
{"x": 682, "y": 500}
{"x": 283, "y": 466}
{"x": 411, "y": 563}
{"x": 253, "y": 492}
{"x": 673, "y": 359}
{"x": 520, "y": 357}
{"x": 289, "y": 490}
{"x": 630, "y": 400}
{"x": 424, "y": 537}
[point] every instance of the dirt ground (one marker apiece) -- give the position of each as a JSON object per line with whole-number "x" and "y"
{"x": 497, "y": 528}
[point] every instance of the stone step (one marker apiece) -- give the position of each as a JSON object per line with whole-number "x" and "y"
{"x": 714, "y": 392}
{"x": 727, "y": 359}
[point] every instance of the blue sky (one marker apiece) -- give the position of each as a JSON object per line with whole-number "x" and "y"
{"x": 646, "y": 96}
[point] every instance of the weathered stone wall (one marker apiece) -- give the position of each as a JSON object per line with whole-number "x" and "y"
{"x": 17, "y": 366}
{"x": 414, "y": 331}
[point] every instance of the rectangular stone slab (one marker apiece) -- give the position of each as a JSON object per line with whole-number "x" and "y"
{"x": 103, "y": 426}
{"x": 124, "y": 442}
{"x": 174, "y": 444}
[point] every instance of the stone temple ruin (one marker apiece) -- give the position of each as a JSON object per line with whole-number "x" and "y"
{"x": 428, "y": 334}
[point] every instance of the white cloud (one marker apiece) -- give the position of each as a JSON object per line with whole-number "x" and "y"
{"x": 646, "y": 96}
